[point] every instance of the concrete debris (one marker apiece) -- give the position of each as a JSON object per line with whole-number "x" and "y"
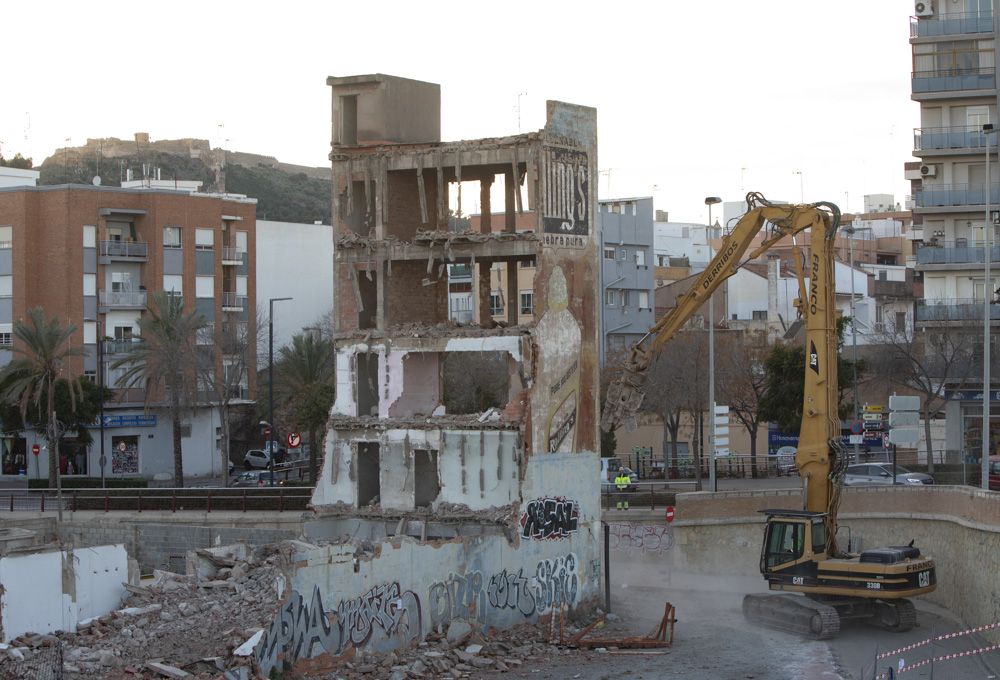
{"x": 445, "y": 329}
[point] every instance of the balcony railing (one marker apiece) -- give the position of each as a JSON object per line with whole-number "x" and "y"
{"x": 954, "y": 309}
{"x": 233, "y": 301}
{"x": 958, "y": 137}
{"x": 897, "y": 289}
{"x": 950, "y": 80}
{"x": 123, "y": 299}
{"x": 952, "y": 24}
{"x": 937, "y": 195}
{"x": 124, "y": 249}
{"x": 956, "y": 252}
{"x": 128, "y": 395}
{"x": 112, "y": 347}
{"x": 232, "y": 255}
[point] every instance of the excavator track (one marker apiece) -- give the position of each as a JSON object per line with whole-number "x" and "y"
{"x": 898, "y": 615}
{"x": 792, "y": 614}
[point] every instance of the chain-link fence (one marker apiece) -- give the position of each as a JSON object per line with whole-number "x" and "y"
{"x": 43, "y": 663}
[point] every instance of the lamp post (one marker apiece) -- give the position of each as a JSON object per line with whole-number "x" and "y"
{"x": 712, "y": 481}
{"x": 851, "y": 230}
{"x": 270, "y": 378}
{"x": 100, "y": 387}
{"x": 987, "y": 299}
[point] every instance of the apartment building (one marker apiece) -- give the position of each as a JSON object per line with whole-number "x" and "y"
{"x": 627, "y": 268}
{"x": 464, "y": 459}
{"x": 954, "y": 82}
{"x": 91, "y": 256}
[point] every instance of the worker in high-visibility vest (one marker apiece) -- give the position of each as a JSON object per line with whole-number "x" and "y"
{"x": 622, "y": 481}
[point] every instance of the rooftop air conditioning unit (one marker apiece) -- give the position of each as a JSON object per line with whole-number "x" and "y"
{"x": 928, "y": 171}
{"x": 923, "y": 8}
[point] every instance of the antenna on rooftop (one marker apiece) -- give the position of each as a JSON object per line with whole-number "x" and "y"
{"x": 518, "y": 108}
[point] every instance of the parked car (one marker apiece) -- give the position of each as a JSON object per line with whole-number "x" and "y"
{"x": 869, "y": 474}
{"x": 994, "y": 473}
{"x": 256, "y": 478}
{"x": 256, "y": 458}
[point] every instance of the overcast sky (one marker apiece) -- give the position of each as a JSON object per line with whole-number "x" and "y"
{"x": 694, "y": 99}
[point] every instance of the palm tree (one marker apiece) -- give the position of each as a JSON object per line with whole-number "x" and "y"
{"x": 163, "y": 361}
{"x": 304, "y": 381}
{"x": 43, "y": 350}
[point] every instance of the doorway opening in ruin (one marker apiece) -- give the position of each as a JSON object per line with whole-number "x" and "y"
{"x": 367, "y": 377}
{"x": 369, "y": 489}
{"x": 368, "y": 291}
{"x": 473, "y": 382}
{"x": 428, "y": 485}
{"x": 357, "y": 208}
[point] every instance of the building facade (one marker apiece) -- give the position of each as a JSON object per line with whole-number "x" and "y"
{"x": 954, "y": 83}
{"x": 627, "y": 268}
{"x": 92, "y": 257}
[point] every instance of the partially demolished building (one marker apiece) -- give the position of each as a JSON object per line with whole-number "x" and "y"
{"x": 460, "y": 476}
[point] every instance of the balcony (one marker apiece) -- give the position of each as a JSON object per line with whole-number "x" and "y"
{"x": 122, "y": 299}
{"x": 232, "y": 256}
{"x": 128, "y": 396}
{"x": 119, "y": 347}
{"x": 959, "y": 137}
{"x": 233, "y": 302}
{"x": 962, "y": 23}
{"x": 959, "y": 251}
{"x": 892, "y": 289}
{"x": 938, "y": 195}
{"x": 955, "y": 309}
{"x": 953, "y": 79}
{"x": 128, "y": 251}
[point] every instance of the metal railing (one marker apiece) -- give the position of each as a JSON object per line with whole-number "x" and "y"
{"x": 234, "y": 301}
{"x": 130, "y": 249}
{"x": 959, "y": 251}
{"x": 954, "y": 309}
{"x": 123, "y": 298}
{"x": 651, "y": 494}
{"x": 119, "y": 346}
{"x": 239, "y": 499}
{"x": 956, "y": 137}
{"x": 954, "y": 79}
{"x": 232, "y": 254}
{"x": 938, "y": 195}
{"x": 958, "y": 23}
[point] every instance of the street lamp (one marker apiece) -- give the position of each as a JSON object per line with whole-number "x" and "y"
{"x": 851, "y": 230}
{"x": 712, "y": 481}
{"x": 270, "y": 378}
{"x": 987, "y": 299}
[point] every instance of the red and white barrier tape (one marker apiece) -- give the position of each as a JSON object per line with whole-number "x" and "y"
{"x": 945, "y": 636}
{"x": 949, "y": 657}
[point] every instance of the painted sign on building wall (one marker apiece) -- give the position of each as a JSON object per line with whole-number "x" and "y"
{"x": 566, "y": 208}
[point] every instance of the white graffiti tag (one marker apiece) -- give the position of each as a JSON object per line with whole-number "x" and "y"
{"x": 510, "y": 590}
{"x": 556, "y": 583}
{"x": 640, "y": 538}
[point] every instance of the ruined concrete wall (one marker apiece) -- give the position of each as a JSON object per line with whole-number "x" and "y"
{"x": 409, "y": 301}
{"x": 56, "y": 589}
{"x": 406, "y": 589}
{"x": 404, "y": 214}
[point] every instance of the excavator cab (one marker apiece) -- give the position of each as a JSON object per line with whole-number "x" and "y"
{"x": 794, "y": 540}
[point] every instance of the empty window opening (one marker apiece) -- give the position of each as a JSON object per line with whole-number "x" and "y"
{"x": 427, "y": 486}
{"x": 369, "y": 488}
{"x": 475, "y": 381}
{"x": 368, "y": 291}
{"x": 367, "y": 377}
{"x": 421, "y": 385}
{"x": 358, "y": 211}
{"x": 349, "y": 120}
{"x": 463, "y": 201}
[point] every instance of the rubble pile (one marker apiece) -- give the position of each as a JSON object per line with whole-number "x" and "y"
{"x": 175, "y": 626}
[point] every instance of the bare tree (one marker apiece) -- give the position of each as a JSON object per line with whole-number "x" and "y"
{"x": 226, "y": 353}
{"x": 743, "y": 381}
{"x": 689, "y": 350}
{"x": 665, "y": 398}
{"x": 925, "y": 361}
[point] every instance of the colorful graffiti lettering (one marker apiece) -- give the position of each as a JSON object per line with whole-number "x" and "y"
{"x": 457, "y": 597}
{"x": 510, "y": 590}
{"x": 305, "y": 631}
{"x": 641, "y": 538}
{"x": 383, "y": 606}
{"x": 550, "y": 518}
{"x": 299, "y": 631}
{"x": 556, "y": 583}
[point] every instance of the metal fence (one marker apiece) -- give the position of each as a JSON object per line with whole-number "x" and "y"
{"x": 249, "y": 499}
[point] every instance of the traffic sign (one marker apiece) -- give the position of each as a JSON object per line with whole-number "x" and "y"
{"x": 294, "y": 439}
{"x": 856, "y": 428}
{"x": 670, "y": 514}
{"x": 873, "y": 408}
{"x": 35, "y": 449}
{"x": 899, "y": 402}
{"x": 904, "y": 435}
{"x": 903, "y": 419}
{"x": 267, "y": 431}
{"x": 871, "y": 416}
{"x": 857, "y": 439}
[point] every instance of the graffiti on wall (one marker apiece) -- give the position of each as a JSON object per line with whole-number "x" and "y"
{"x": 457, "y": 597}
{"x": 550, "y": 518}
{"x": 640, "y": 538}
{"x": 511, "y": 590}
{"x": 304, "y": 630}
{"x": 556, "y": 583}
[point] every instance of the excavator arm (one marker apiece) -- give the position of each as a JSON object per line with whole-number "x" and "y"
{"x": 819, "y": 436}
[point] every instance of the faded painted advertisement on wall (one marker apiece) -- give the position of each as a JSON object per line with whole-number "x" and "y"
{"x": 566, "y": 208}
{"x": 559, "y": 368}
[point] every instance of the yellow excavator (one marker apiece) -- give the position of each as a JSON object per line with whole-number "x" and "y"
{"x": 820, "y": 584}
